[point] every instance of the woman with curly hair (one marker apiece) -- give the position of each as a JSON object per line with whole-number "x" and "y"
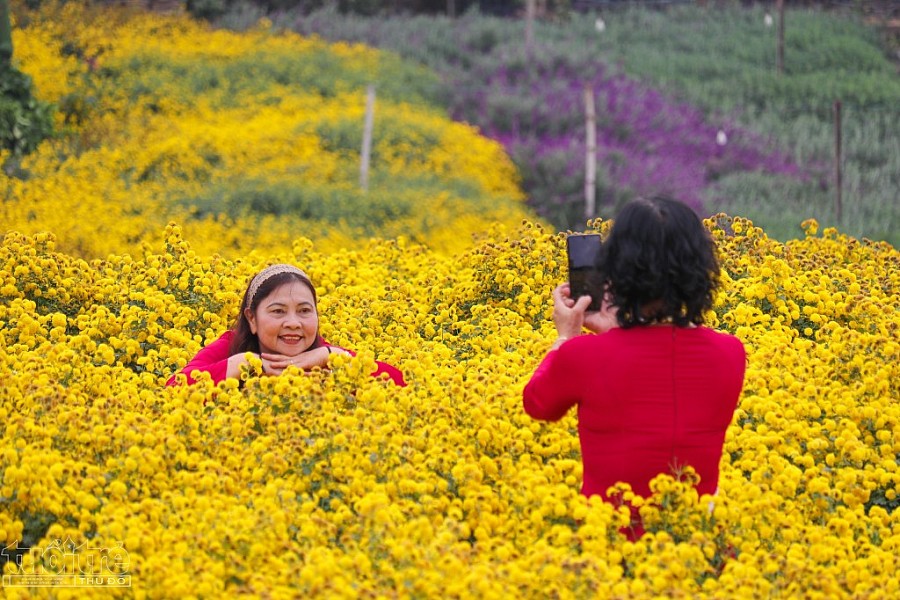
{"x": 655, "y": 388}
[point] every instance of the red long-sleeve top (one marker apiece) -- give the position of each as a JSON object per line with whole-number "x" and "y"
{"x": 650, "y": 400}
{"x": 213, "y": 359}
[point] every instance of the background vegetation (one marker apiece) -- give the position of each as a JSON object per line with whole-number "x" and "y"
{"x": 667, "y": 81}
{"x": 246, "y": 139}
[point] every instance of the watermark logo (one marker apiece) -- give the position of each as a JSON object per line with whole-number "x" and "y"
{"x": 64, "y": 563}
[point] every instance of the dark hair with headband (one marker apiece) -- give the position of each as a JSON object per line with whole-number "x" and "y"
{"x": 259, "y": 288}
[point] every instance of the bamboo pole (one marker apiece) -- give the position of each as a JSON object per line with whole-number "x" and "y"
{"x": 779, "y": 51}
{"x": 367, "y": 139}
{"x": 590, "y": 155}
{"x": 530, "y": 10}
{"x": 838, "y": 172}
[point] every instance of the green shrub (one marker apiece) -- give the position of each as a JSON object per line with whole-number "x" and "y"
{"x": 24, "y": 120}
{"x": 320, "y": 72}
{"x": 207, "y": 9}
{"x": 320, "y": 207}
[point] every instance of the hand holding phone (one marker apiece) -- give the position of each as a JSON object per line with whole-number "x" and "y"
{"x": 584, "y": 277}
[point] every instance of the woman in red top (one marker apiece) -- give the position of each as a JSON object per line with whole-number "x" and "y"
{"x": 655, "y": 389}
{"x": 278, "y": 322}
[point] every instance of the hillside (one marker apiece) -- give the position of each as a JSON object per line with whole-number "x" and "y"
{"x": 688, "y": 101}
{"x": 245, "y": 140}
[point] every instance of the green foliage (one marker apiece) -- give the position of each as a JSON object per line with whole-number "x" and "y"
{"x": 782, "y": 202}
{"x": 361, "y": 7}
{"x": 880, "y": 498}
{"x": 24, "y": 120}
{"x": 870, "y": 177}
{"x": 726, "y": 58}
{"x": 320, "y": 71}
{"x": 207, "y": 9}
{"x": 311, "y": 203}
{"x": 211, "y": 9}
{"x": 392, "y": 203}
{"x": 5, "y": 34}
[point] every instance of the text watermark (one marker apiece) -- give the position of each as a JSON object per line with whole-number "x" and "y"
{"x": 64, "y": 563}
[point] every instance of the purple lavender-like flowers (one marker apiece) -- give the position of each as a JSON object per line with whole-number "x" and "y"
{"x": 647, "y": 143}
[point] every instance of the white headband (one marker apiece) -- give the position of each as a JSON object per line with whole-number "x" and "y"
{"x": 268, "y": 272}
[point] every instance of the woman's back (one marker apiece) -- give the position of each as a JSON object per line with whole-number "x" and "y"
{"x": 650, "y": 400}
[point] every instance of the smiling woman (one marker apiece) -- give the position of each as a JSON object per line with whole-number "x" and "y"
{"x": 278, "y": 323}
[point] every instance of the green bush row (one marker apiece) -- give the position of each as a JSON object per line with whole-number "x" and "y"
{"x": 725, "y": 62}
{"x": 390, "y": 198}
{"x": 722, "y": 59}
{"x": 321, "y": 72}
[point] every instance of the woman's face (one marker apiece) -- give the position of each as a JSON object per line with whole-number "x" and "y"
{"x": 285, "y": 321}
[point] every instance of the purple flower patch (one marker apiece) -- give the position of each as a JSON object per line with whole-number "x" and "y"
{"x": 647, "y": 143}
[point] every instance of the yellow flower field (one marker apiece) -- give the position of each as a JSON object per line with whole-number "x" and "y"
{"x": 332, "y": 484}
{"x": 338, "y": 485}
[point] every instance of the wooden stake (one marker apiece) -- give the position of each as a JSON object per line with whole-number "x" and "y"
{"x": 838, "y": 172}
{"x": 367, "y": 139}
{"x": 779, "y": 51}
{"x": 530, "y": 10}
{"x": 590, "y": 155}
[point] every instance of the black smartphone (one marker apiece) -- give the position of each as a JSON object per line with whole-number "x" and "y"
{"x": 584, "y": 279}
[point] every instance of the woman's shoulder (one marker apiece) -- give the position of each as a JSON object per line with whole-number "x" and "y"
{"x": 639, "y": 335}
{"x": 718, "y": 334}
{"x": 382, "y": 367}
{"x": 223, "y": 340}
{"x": 724, "y": 341}
{"x": 326, "y": 344}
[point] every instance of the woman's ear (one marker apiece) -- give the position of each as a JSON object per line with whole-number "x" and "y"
{"x": 251, "y": 319}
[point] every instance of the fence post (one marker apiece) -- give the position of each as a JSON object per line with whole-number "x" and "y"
{"x": 367, "y": 139}
{"x": 838, "y": 173}
{"x": 590, "y": 155}
{"x": 530, "y": 10}
{"x": 779, "y": 49}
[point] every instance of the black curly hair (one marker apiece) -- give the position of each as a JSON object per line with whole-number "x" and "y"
{"x": 659, "y": 264}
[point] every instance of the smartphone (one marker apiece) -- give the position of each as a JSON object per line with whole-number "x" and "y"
{"x": 584, "y": 279}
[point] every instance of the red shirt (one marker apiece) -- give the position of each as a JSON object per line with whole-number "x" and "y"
{"x": 649, "y": 399}
{"x": 213, "y": 359}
